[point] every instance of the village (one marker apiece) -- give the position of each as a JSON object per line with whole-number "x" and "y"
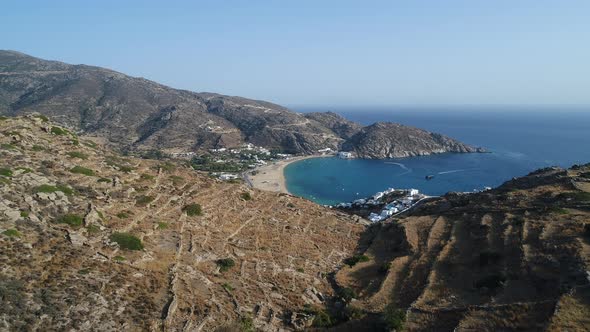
{"x": 230, "y": 163}
{"x": 383, "y": 205}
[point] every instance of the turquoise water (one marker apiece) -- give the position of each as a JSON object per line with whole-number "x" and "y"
{"x": 519, "y": 141}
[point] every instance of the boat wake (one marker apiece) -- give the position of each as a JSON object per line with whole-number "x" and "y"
{"x": 456, "y": 171}
{"x": 402, "y": 166}
{"x": 398, "y": 164}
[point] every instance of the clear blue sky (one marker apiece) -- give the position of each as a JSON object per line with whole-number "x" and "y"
{"x": 325, "y": 52}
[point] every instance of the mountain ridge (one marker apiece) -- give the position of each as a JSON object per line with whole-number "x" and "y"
{"x": 134, "y": 113}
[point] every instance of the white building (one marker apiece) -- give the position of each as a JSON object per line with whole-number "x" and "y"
{"x": 414, "y": 192}
{"x": 374, "y": 217}
{"x": 227, "y": 176}
{"x": 377, "y": 196}
{"x": 344, "y": 155}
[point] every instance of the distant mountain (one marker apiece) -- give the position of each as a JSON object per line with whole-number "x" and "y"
{"x": 137, "y": 114}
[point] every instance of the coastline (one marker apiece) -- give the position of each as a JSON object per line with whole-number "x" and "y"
{"x": 271, "y": 177}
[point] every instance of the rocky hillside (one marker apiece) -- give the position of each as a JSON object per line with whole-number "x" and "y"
{"x": 391, "y": 140}
{"x": 137, "y": 114}
{"x": 516, "y": 258}
{"x": 92, "y": 240}
{"x": 95, "y": 241}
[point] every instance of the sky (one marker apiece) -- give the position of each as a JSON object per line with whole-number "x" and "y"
{"x": 325, "y": 53}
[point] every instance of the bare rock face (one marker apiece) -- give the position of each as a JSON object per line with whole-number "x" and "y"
{"x": 137, "y": 114}
{"x": 391, "y": 140}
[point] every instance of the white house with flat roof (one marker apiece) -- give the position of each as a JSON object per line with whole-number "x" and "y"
{"x": 344, "y": 155}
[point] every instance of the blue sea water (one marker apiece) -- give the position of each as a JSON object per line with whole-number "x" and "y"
{"x": 520, "y": 141}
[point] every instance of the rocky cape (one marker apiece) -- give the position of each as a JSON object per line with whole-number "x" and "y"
{"x": 136, "y": 114}
{"x": 384, "y": 140}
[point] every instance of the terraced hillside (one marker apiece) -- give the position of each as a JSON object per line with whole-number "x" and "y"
{"x": 516, "y": 258}
{"x": 95, "y": 241}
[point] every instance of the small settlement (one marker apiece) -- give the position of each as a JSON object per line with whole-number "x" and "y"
{"x": 384, "y": 204}
{"x": 229, "y": 163}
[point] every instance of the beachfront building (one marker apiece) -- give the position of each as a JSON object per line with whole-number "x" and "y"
{"x": 414, "y": 192}
{"x": 227, "y": 176}
{"x": 344, "y": 155}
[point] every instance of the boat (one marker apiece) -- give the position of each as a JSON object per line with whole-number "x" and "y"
{"x": 429, "y": 177}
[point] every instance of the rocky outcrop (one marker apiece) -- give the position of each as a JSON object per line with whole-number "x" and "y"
{"x": 391, "y": 140}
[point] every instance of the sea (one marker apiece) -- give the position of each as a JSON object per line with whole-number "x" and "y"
{"x": 519, "y": 140}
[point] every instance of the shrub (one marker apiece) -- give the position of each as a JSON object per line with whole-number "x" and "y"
{"x": 146, "y": 177}
{"x": 227, "y": 287}
{"x": 11, "y": 233}
{"x": 127, "y": 241}
{"x": 59, "y": 131}
{"x": 89, "y": 144}
{"x": 162, "y": 225}
{"x": 38, "y": 148}
{"x": 320, "y": 317}
{"x": 558, "y": 210}
{"x": 105, "y": 180}
{"x": 394, "y": 318}
{"x": 354, "y": 313}
{"x": 118, "y": 258}
{"x": 168, "y": 167}
{"x": 7, "y": 146}
{"x": 3, "y": 118}
{"x": 25, "y": 170}
{"x": 82, "y": 170}
{"x": 384, "y": 268}
{"x": 125, "y": 169}
{"x": 5, "y": 181}
{"x": 177, "y": 180}
{"x": 346, "y": 294}
{"x": 24, "y": 214}
{"x": 78, "y": 154}
{"x": 193, "y": 209}
{"x": 70, "y": 219}
{"x": 41, "y": 117}
{"x": 352, "y": 261}
{"x": 123, "y": 215}
{"x": 93, "y": 229}
{"x": 246, "y": 196}
{"x": 5, "y": 172}
{"x": 225, "y": 264}
{"x": 300, "y": 270}
{"x": 143, "y": 200}
{"x": 45, "y": 188}
{"x": 247, "y": 324}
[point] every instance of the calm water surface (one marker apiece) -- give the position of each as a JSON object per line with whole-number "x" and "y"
{"x": 520, "y": 141}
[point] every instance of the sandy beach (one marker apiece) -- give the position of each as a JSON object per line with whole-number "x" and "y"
{"x": 271, "y": 177}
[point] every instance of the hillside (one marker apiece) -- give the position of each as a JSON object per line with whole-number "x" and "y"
{"x": 95, "y": 241}
{"x": 137, "y": 114}
{"x": 515, "y": 258}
